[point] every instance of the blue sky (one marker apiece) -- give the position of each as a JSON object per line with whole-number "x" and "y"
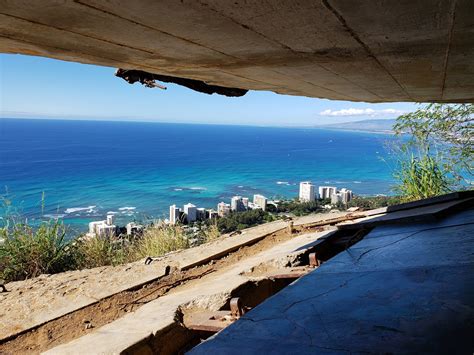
{"x": 34, "y": 87}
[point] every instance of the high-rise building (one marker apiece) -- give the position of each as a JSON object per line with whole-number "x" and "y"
{"x": 110, "y": 219}
{"x": 236, "y": 204}
{"x": 223, "y": 209}
{"x": 134, "y": 229}
{"x": 346, "y": 195}
{"x": 326, "y": 191}
{"x": 93, "y": 227}
{"x": 260, "y": 201}
{"x": 201, "y": 214}
{"x": 105, "y": 230}
{"x": 336, "y": 198}
{"x": 253, "y": 206}
{"x": 211, "y": 214}
{"x": 191, "y": 212}
{"x": 102, "y": 229}
{"x": 306, "y": 191}
{"x": 245, "y": 201}
{"x": 342, "y": 196}
{"x": 174, "y": 214}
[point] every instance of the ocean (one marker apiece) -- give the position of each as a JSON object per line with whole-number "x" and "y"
{"x": 136, "y": 170}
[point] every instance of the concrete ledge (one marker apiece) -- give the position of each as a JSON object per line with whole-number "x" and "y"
{"x": 34, "y": 302}
{"x": 210, "y": 292}
{"x": 402, "y": 289}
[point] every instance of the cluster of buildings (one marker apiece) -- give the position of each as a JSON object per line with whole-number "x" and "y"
{"x": 308, "y": 193}
{"x": 190, "y": 213}
{"x": 240, "y": 204}
{"x": 107, "y": 228}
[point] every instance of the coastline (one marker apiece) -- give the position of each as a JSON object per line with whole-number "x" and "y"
{"x": 386, "y": 132}
{"x": 77, "y": 167}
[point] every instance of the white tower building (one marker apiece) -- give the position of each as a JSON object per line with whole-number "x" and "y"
{"x": 174, "y": 214}
{"x": 191, "y": 212}
{"x": 306, "y": 191}
{"x": 346, "y": 195}
{"x": 110, "y": 219}
{"x": 260, "y": 201}
{"x": 326, "y": 191}
{"x": 236, "y": 204}
{"x": 223, "y": 209}
{"x": 336, "y": 198}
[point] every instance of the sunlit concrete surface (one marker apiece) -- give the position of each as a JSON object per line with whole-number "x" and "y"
{"x": 405, "y": 288}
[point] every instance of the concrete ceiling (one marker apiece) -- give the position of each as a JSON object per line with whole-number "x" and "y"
{"x": 358, "y": 50}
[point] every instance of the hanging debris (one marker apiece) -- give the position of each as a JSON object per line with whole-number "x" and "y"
{"x": 149, "y": 80}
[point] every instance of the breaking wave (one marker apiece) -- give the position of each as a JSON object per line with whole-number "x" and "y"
{"x": 126, "y": 209}
{"x": 88, "y": 209}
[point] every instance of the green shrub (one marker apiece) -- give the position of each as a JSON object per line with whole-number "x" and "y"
{"x": 373, "y": 202}
{"x": 241, "y": 220}
{"x": 28, "y": 252}
{"x": 299, "y": 208}
{"x": 421, "y": 177}
{"x": 435, "y": 150}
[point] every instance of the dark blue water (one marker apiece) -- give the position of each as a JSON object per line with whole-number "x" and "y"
{"x": 88, "y": 168}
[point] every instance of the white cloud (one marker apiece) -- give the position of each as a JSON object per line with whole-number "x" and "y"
{"x": 361, "y": 112}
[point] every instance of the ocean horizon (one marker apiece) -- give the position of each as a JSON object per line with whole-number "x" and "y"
{"x": 136, "y": 170}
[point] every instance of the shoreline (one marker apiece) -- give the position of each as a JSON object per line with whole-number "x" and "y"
{"x": 385, "y": 132}
{"x": 138, "y": 216}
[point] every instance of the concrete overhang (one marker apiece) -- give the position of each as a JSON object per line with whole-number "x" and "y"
{"x": 359, "y": 50}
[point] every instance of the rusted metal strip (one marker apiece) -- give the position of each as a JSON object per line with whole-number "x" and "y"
{"x": 236, "y": 309}
{"x": 313, "y": 260}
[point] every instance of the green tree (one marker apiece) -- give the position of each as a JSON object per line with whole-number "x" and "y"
{"x": 299, "y": 208}
{"x": 436, "y": 154}
{"x": 241, "y": 220}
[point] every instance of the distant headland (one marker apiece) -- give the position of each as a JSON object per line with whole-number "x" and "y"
{"x": 371, "y": 125}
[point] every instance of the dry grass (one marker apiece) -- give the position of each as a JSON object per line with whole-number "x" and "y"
{"x": 157, "y": 241}
{"x": 94, "y": 252}
{"x": 210, "y": 233}
{"x": 28, "y": 251}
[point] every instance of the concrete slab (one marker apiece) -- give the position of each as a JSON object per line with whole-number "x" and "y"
{"x": 226, "y": 244}
{"x": 397, "y": 292}
{"x": 419, "y": 214}
{"x": 210, "y": 292}
{"x": 377, "y": 51}
{"x": 320, "y": 217}
{"x": 34, "y": 302}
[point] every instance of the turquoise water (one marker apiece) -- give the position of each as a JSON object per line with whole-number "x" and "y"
{"x": 89, "y": 168}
